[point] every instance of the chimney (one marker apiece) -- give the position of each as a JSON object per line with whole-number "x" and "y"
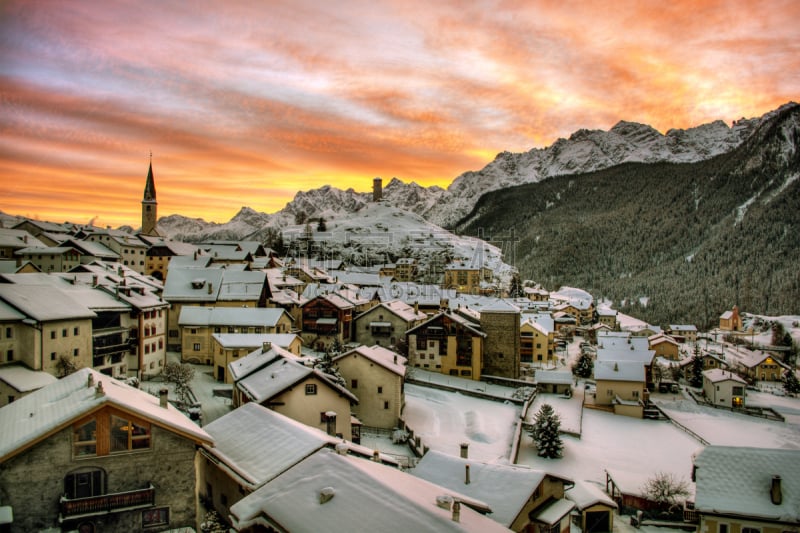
{"x": 775, "y": 493}
{"x": 377, "y": 189}
{"x": 163, "y": 396}
{"x": 210, "y": 288}
{"x": 416, "y": 306}
{"x": 91, "y": 381}
{"x": 466, "y": 474}
{"x": 94, "y": 280}
{"x": 395, "y": 358}
{"x": 266, "y": 346}
{"x": 464, "y": 450}
{"x": 456, "y": 511}
{"x": 376, "y": 456}
{"x": 98, "y": 391}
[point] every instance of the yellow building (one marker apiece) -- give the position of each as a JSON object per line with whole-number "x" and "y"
{"x": 229, "y": 347}
{"x": 620, "y": 385}
{"x": 448, "y": 344}
{"x": 537, "y": 344}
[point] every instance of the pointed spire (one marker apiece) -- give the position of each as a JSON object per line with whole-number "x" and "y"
{"x": 150, "y": 187}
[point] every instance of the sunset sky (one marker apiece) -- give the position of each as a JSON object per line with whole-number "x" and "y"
{"x": 243, "y": 103}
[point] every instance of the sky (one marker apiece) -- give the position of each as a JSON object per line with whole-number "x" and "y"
{"x": 244, "y": 103}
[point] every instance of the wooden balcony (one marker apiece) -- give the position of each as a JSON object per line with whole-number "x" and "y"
{"x": 107, "y": 503}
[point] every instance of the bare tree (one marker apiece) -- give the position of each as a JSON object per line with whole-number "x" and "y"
{"x": 665, "y": 489}
{"x": 181, "y": 375}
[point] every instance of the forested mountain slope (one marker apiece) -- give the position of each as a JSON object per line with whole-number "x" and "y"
{"x": 670, "y": 243}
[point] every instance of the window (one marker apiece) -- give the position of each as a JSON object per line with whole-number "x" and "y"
{"x": 9, "y": 333}
{"x": 155, "y": 517}
{"x": 53, "y": 334}
{"x": 723, "y": 528}
{"x": 10, "y": 355}
{"x": 84, "y": 484}
{"x": 64, "y": 332}
{"x": 76, "y": 352}
{"x": 127, "y": 435}
{"x": 353, "y": 383}
{"x": 196, "y": 347}
{"x": 84, "y": 439}
{"x": 635, "y": 394}
{"x": 380, "y": 390}
{"x": 76, "y": 331}
{"x": 750, "y": 530}
{"x": 311, "y": 389}
{"x": 385, "y": 405}
{"x": 193, "y": 331}
{"x": 52, "y": 356}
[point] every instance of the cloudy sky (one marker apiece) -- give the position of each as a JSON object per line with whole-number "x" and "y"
{"x": 243, "y": 103}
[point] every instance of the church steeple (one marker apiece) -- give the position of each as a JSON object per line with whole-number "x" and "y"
{"x": 149, "y": 204}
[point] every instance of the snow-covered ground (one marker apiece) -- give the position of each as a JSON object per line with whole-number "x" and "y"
{"x": 632, "y": 449}
{"x": 444, "y": 420}
{"x": 569, "y": 410}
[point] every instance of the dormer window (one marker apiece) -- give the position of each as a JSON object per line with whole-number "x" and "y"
{"x": 108, "y": 433}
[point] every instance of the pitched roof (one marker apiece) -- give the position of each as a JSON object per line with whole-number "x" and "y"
{"x": 254, "y": 340}
{"x": 586, "y": 494}
{"x": 23, "y": 379}
{"x": 384, "y": 357}
{"x": 505, "y": 488}
{"x": 44, "y": 303}
{"x": 619, "y": 371}
{"x": 398, "y": 308}
{"x": 736, "y": 481}
{"x": 57, "y": 405}
{"x": 397, "y": 501}
{"x": 192, "y": 284}
{"x": 192, "y": 315}
{"x": 717, "y": 375}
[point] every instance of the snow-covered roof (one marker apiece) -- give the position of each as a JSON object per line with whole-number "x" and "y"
{"x": 338, "y": 301}
{"x": 362, "y": 279}
{"x": 255, "y": 360}
{"x": 717, "y": 375}
{"x": 400, "y": 309}
{"x": 619, "y": 371}
{"x": 254, "y": 340}
{"x": 242, "y": 436}
{"x": 18, "y": 238}
{"x": 683, "y": 327}
{"x": 471, "y": 326}
{"x": 658, "y": 338}
{"x": 44, "y": 303}
{"x": 192, "y": 284}
{"x": 737, "y": 481}
{"x": 279, "y": 374}
{"x": 23, "y": 379}
{"x": 241, "y": 285}
{"x": 505, "y": 488}
{"x": 344, "y": 493}
{"x": 554, "y": 511}
{"x": 54, "y": 406}
{"x": 8, "y": 313}
{"x": 379, "y": 355}
{"x": 727, "y": 315}
{"x": 620, "y": 348}
{"x": 50, "y": 250}
{"x": 230, "y": 316}
{"x": 95, "y": 249}
{"x": 559, "y": 377}
{"x": 586, "y": 494}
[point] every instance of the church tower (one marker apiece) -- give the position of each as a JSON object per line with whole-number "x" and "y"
{"x": 149, "y": 205}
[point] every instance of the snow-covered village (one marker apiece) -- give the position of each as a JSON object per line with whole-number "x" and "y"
{"x": 153, "y": 384}
{"x": 399, "y": 266}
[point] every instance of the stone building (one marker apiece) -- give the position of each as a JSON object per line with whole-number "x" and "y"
{"x": 500, "y": 321}
{"x": 90, "y": 453}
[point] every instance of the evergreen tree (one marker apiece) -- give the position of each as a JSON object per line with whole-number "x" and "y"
{"x": 790, "y": 382}
{"x": 584, "y": 366}
{"x": 545, "y": 432}
{"x": 326, "y": 365}
{"x": 696, "y": 378}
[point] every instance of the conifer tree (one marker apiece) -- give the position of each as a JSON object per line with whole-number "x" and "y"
{"x": 545, "y": 433}
{"x": 790, "y": 382}
{"x": 584, "y": 366}
{"x": 696, "y": 378}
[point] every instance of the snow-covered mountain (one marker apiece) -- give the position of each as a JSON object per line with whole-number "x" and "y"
{"x": 584, "y": 151}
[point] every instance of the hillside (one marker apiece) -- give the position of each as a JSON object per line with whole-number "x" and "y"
{"x": 667, "y": 242}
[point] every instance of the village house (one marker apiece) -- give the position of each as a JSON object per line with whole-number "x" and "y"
{"x": 386, "y": 323}
{"x": 236, "y": 464}
{"x": 464, "y": 277}
{"x": 529, "y": 500}
{"x": 327, "y": 321}
{"x": 536, "y": 293}
{"x": 624, "y": 346}
{"x": 198, "y": 324}
{"x": 756, "y": 365}
{"x": 333, "y": 491}
{"x": 724, "y": 388}
{"x": 406, "y": 269}
{"x": 621, "y": 386}
{"x": 41, "y": 229}
{"x": 228, "y": 347}
{"x": 12, "y": 240}
{"x": 278, "y": 380}
{"x": 160, "y": 252}
{"x": 595, "y": 508}
{"x": 449, "y": 344}
{"x": 17, "y": 380}
{"x": 608, "y": 317}
{"x": 90, "y": 453}
{"x": 682, "y": 332}
{"x": 50, "y": 259}
{"x": 554, "y": 381}
{"x": 377, "y": 376}
{"x": 731, "y": 320}
{"x": 746, "y": 489}
{"x": 711, "y": 359}
{"x": 664, "y": 346}
{"x": 537, "y": 339}
{"x": 131, "y": 250}
{"x": 56, "y": 328}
